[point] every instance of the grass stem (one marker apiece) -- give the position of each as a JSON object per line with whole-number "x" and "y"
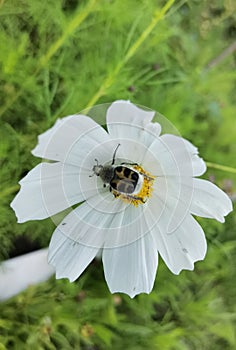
{"x": 109, "y": 80}
{"x": 221, "y": 167}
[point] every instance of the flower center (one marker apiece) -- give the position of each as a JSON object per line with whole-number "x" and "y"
{"x": 143, "y": 190}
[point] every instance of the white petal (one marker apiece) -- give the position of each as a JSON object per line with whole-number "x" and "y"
{"x": 186, "y": 151}
{"x": 128, "y": 226}
{"x": 127, "y": 112}
{"x": 103, "y": 221}
{"x": 172, "y": 198}
{"x": 84, "y": 225}
{"x": 68, "y": 257}
{"x": 209, "y": 201}
{"x": 81, "y": 235}
{"x": 200, "y": 197}
{"x": 185, "y": 245}
{"x": 127, "y": 121}
{"x": 70, "y": 139}
{"x": 130, "y": 151}
{"x": 175, "y": 156}
{"x": 131, "y": 269}
{"x": 18, "y": 273}
{"x": 48, "y": 189}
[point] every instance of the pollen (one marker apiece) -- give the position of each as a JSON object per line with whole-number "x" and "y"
{"x": 145, "y": 191}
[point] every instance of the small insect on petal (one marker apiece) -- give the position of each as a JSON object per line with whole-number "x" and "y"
{"x": 128, "y": 181}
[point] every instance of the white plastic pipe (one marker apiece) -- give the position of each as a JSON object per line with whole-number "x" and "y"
{"x": 18, "y": 273}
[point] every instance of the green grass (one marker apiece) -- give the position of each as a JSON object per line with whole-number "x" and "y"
{"x": 60, "y": 57}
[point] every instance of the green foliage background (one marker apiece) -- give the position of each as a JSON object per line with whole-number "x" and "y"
{"x": 58, "y": 57}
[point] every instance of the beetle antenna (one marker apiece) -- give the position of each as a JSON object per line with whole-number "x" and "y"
{"x": 94, "y": 167}
{"x": 114, "y": 155}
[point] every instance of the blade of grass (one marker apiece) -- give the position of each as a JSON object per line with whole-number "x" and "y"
{"x": 221, "y": 167}
{"x": 158, "y": 16}
{"x": 9, "y": 190}
{"x": 225, "y": 53}
{"x": 71, "y": 27}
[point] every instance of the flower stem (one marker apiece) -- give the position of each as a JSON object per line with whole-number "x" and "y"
{"x": 221, "y": 167}
{"x": 71, "y": 27}
{"x": 225, "y": 53}
{"x": 158, "y": 16}
{"x": 9, "y": 190}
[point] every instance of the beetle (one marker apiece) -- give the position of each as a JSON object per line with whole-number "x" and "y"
{"x": 121, "y": 179}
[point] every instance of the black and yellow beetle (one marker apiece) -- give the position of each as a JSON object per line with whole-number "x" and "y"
{"x": 122, "y": 179}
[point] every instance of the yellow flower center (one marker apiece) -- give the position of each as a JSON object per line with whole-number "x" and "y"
{"x": 144, "y": 193}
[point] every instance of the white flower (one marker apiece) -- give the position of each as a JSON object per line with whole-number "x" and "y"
{"x": 127, "y": 229}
